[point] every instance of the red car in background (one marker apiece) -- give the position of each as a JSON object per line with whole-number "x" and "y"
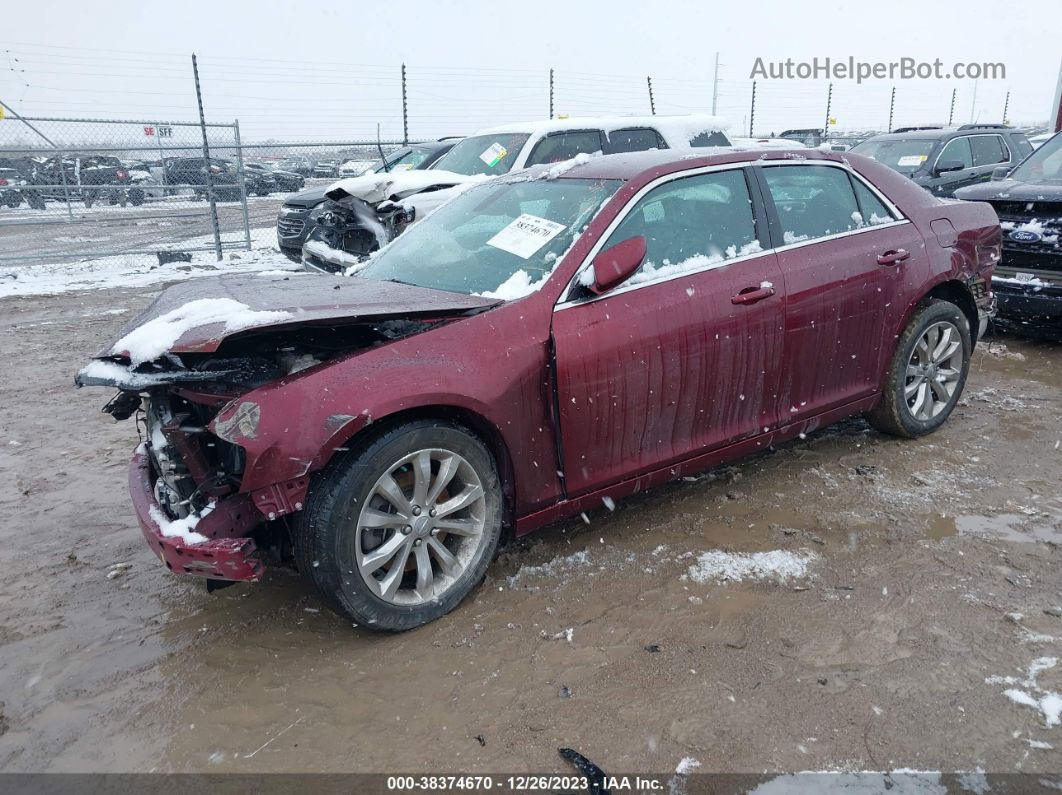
{"x": 542, "y": 342}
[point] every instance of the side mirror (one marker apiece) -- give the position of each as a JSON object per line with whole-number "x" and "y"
{"x": 1000, "y": 173}
{"x": 616, "y": 264}
{"x": 949, "y": 165}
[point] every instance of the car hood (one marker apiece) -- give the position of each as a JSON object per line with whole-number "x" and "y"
{"x": 307, "y": 198}
{"x": 1011, "y": 190}
{"x": 197, "y": 316}
{"x": 374, "y": 188}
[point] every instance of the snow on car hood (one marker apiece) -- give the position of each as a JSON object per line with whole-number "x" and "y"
{"x": 374, "y": 188}
{"x": 198, "y": 316}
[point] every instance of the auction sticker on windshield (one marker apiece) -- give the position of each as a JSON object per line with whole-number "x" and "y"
{"x": 526, "y": 235}
{"x": 493, "y": 154}
{"x": 912, "y": 160}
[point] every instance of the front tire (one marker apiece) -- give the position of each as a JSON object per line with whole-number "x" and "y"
{"x": 927, "y": 373}
{"x": 399, "y": 532}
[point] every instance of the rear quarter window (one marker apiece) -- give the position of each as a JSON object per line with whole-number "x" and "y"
{"x": 812, "y": 201}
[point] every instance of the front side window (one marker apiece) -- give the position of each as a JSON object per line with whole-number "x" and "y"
{"x": 906, "y": 155}
{"x": 1044, "y": 166}
{"x": 483, "y": 154}
{"x": 691, "y": 224}
{"x": 987, "y": 150}
{"x": 812, "y": 201}
{"x": 634, "y": 140}
{"x": 501, "y": 239}
{"x": 956, "y": 151}
{"x": 564, "y": 146}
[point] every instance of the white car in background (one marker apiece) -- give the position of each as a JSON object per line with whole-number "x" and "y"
{"x": 399, "y": 198}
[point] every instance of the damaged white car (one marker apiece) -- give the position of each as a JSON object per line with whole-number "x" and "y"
{"x": 364, "y": 213}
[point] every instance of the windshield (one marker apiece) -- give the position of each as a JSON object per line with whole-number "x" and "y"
{"x": 483, "y": 154}
{"x": 500, "y": 239}
{"x": 1042, "y": 166}
{"x": 407, "y": 161}
{"x": 905, "y": 156}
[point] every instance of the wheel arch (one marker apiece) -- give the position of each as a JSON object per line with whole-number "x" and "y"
{"x": 954, "y": 291}
{"x": 486, "y": 431}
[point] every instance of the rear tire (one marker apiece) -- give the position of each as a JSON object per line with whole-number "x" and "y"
{"x": 927, "y": 373}
{"x": 368, "y": 538}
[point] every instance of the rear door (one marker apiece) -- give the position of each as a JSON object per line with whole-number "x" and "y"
{"x": 558, "y": 146}
{"x": 832, "y": 227}
{"x": 683, "y": 357}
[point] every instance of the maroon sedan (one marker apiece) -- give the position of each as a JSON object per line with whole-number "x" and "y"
{"x": 541, "y": 343}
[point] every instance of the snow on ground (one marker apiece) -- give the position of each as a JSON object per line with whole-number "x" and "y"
{"x": 1029, "y": 693}
{"x": 157, "y": 336}
{"x": 552, "y": 569}
{"x": 141, "y": 270}
{"x": 778, "y": 565}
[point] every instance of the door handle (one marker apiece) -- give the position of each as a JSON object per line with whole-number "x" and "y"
{"x": 893, "y": 256}
{"x": 751, "y": 295}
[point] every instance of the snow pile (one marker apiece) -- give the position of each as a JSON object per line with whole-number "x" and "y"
{"x": 555, "y": 567}
{"x": 516, "y": 286}
{"x": 120, "y": 375}
{"x": 157, "y": 336}
{"x": 563, "y": 167}
{"x": 779, "y": 565}
{"x": 183, "y": 529}
{"x": 1028, "y": 692}
{"x": 335, "y": 256}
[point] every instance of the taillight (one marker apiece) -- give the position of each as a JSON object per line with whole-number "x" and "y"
{"x": 122, "y": 174}
{"x": 3, "y": 181}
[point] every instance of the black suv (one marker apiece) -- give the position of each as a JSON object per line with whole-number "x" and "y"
{"x": 942, "y": 160}
{"x": 1028, "y": 201}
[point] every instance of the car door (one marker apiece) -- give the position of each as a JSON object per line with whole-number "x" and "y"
{"x": 833, "y": 228}
{"x": 988, "y": 151}
{"x": 683, "y": 357}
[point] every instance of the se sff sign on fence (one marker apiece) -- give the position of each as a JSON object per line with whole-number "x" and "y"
{"x": 162, "y": 132}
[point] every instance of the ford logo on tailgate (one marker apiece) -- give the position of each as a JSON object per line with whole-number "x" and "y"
{"x": 1024, "y": 236}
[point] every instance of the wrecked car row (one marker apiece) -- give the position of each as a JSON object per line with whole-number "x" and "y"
{"x": 541, "y": 343}
{"x": 363, "y": 213}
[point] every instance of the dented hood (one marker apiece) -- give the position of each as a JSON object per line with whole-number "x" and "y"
{"x": 251, "y": 303}
{"x": 374, "y": 188}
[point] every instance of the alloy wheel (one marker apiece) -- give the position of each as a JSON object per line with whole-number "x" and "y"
{"x": 420, "y": 527}
{"x": 933, "y": 371}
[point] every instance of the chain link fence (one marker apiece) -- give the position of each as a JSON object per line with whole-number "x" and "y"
{"x": 90, "y": 188}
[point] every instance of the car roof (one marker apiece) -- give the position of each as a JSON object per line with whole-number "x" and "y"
{"x": 674, "y": 128}
{"x": 938, "y": 133}
{"x": 630, "y": 165}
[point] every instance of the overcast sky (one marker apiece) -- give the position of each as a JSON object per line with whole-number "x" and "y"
{"x": 320, "y": 70}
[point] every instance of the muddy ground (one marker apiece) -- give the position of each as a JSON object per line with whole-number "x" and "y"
{"x": 937, "y": 567}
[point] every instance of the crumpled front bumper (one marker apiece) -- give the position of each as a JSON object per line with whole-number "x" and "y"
{"x": 228, "y": 554}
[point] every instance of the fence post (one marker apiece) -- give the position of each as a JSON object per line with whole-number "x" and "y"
{"x": 951, "y": 112}
{"x": 1006, "y": 105}
{"x": 892, "y": 105}
{"x": 715, "y": 83}
{"x": 829, "y": 100}
{"x": 551, "y": 92}
{"x": 752, "y": 111}
{"x": 405, "y": 116}
{"x": 206, "y": 162}
{"x": 243, "y": 183}
{"x": 652, "y": 104}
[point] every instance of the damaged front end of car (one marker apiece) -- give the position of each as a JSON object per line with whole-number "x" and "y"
{"x": 363, "y": 214}
{"x": 211, "y": 494}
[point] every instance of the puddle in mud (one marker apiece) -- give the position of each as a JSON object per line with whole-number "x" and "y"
{"x": 1007, "y": 526}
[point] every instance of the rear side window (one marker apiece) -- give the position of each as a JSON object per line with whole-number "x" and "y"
{"x": 957, "y": 150}
{"x": 565, "y": 146}
{"x": 871, "y": 209}
{"x": 1021, "y": 143}
{"x": 634, "y": 140}
{"x": 691, "y": 224}
{"x": 987, "y": 150}
{"x": 812, "y": 201}
{"x": 713, "y": 138}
